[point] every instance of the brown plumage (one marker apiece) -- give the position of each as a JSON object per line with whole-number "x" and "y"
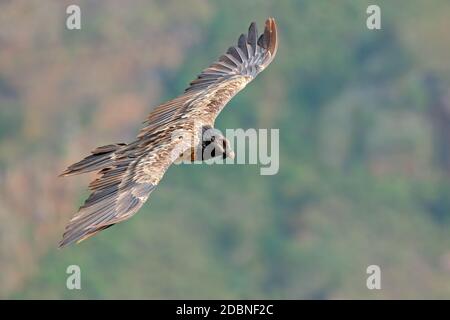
{"x": 130, "y": 172}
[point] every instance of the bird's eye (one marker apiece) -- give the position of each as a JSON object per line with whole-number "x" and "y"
{"x": 213, "y": 138}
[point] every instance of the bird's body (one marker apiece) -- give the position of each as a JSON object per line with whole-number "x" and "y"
{"x": 182, "y": 128}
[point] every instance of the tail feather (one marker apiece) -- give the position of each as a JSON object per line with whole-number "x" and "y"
{"x": 100, "y": 158}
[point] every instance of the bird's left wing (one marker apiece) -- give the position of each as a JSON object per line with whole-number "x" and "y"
{"x": 216, "y": 85}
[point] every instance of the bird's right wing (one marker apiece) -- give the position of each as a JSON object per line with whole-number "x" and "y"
{"x": 123, "y": 186}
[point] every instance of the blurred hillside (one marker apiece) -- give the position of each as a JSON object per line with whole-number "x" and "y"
{"x": 364, "y": 119}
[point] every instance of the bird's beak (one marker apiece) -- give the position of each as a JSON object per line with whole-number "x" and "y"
{"x": 230, "y": 154}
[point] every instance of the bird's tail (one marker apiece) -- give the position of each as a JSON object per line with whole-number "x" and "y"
{"x": 100, "y": 158}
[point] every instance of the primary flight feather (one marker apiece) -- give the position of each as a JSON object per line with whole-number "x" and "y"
{"x": 130, "y": 172}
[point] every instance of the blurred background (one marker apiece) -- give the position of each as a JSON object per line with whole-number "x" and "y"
{"x": 364, "y": 119}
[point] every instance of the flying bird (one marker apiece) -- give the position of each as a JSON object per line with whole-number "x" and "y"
{"x": 128, "y": 173}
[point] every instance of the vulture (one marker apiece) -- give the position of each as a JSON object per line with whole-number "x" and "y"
{"x": 182, "y": 128}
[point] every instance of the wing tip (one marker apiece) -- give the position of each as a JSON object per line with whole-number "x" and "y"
{"x": 271, "y": 31}
{"x": 66, "y": 238}
{"x": 64, "y": 243}
{"x": 66, "y": 173}
{"x": 268, "y": 40}
{"x": 78, "y": 236}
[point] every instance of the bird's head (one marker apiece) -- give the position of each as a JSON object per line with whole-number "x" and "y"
{"x": 214, "y": 144}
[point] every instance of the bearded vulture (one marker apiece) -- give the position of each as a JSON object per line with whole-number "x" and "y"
{"x": 128, "y": 173}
